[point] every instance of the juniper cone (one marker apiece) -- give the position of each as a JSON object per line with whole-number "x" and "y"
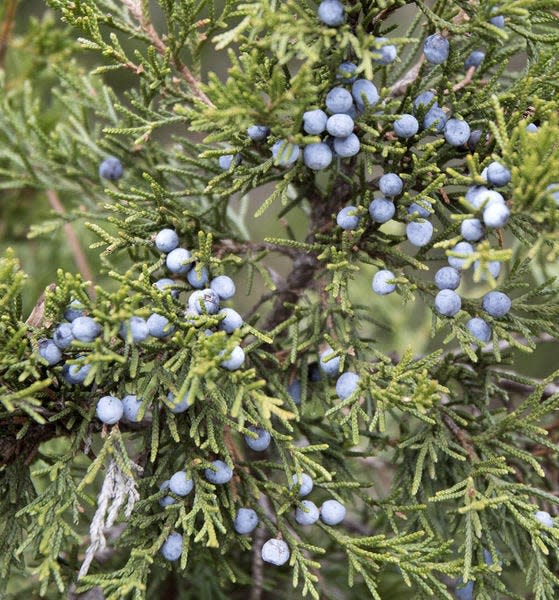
{"x": 279, "y": 299}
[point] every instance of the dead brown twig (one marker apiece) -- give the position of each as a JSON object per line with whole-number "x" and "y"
{"x": 75, "y": 247}
{"x": 136, "y": 10}
{"x": 6, "y": 29}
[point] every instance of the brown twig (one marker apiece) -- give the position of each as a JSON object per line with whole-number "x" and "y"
{"x": 257, "y": 564}
{"x": 305, "y": 264}
{"x": 400, "y": 87}
{"x": 6, "y": 29}
{"x": 460, "y": 435}
{"x": 467, "y": 79}
{"x": 75, "y": 247}
{"x": 136, "y": 10}
{"x": 524, "y": 388}
{"x": 248, "y": 246}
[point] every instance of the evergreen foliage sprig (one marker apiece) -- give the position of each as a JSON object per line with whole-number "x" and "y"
{"x": 442, "y": 451}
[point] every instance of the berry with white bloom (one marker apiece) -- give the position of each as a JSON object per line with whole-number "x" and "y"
{"x": 332, "y": 512}
{"x": 448, "y": 303}
{"x": 329, "y": 363}
{"x": 347, "y": 384}
{"x": 179, "y": 405}
{"x": 419, "y": 233}
{"x": 386, "y": 54}
{"x": 496, "y": 215}
{"x": 544, "y": 518}
{"x": 63, "y": 336}
{"x": 307, "y": 513}
{"x": 231, "y": 321}
{"x": 347, "y": 219}
{"x": 338, "y": 100}
{"x": 235, "y": 360}
{"x": 472, "y": 230}
{"x": 285, "y": 153}
{"x": 131, "y": 406}
{"x": 304, "y": 482}
{"x": 463, "y": 249}
{"x": 348, "y": 146}
{"x": 314, "y": 121}
{"x": 381, "y": 210}
{"x": 159, "y": 326}
{"x": 180, "y": 484}
{"x": 391, "y": 184}
{"x": 496, "y": 304}
{"x": 381, "y": 283}
{"x": 275, "y": 552}
{"x": 447, "y": 278}
{"x": 49, "y": 351}
{"x": 318, "y": 156}
{"x": 179, "y": 261}
{"x": 456, "y": 132}
{"x": 479, "y": 328}
{"x": 331, "y": 13}
{"x": 85, "y": 329}
{"x": 135, "y": 328}
{"x": 172, "y": 547}
{"x": 364, "y": 93}
{"x": 220, "y": 473}
{"x": 223, "y": 286}
{"x": 436, "y": 49}
{"x": 258, "y": 133}
{"x": 166, "y": 240}
{"x": 261, "y": 442}
{"x": 109, "y": 410}
{"x": 406, "y": 126}
{"x": 246, "y": 521}
{"x": 198, "y": 280}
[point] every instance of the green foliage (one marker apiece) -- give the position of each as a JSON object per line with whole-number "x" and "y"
{"x": 445, "y": 450}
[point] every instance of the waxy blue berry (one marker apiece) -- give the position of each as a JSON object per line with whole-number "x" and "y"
{"x": 332, "y": 512}
{"x": 285, "y": 153}
{"x": 479, "y": 328}
{"x": 111, "y": 168}
{"x": 304, "y": 482}
{"x": 246, "y": 521}
{"x": 436, "y": 49}
{"x": 166, "y": 240}
{"x": 331, "y": 13}
{"x": 63, "y": 336}
{"x": 391, "y": 184}
{"x": 365, "y": 93}
{"x": 85, "y": 329}
{"x": 314, "y": 121}
{"x": 180, "y": 484}
{"x": 406, "y": 126}
{"x": 220, "y": 473}
{"x": 307, "y": 513}
{"x": 50, "y": 352}
{"x": 381, "y": 210}
{"x": 347, "y": 219}
{"x": 381, "y": 283}
{"x": 276, "y": 552}
{"x": 496, "y": 304}
{"x": 109, "y": 410}
{"x": 448, "y": 303}
{"x": 318, "y": 156}
{"x": 179, "y": 261}
{"x": 261, "y": 442}
{"x": 347, "y": 384}
{"x": 159, "y": 326}
{"x": 172, "y": 547}
{"x": 456, "y": 132}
